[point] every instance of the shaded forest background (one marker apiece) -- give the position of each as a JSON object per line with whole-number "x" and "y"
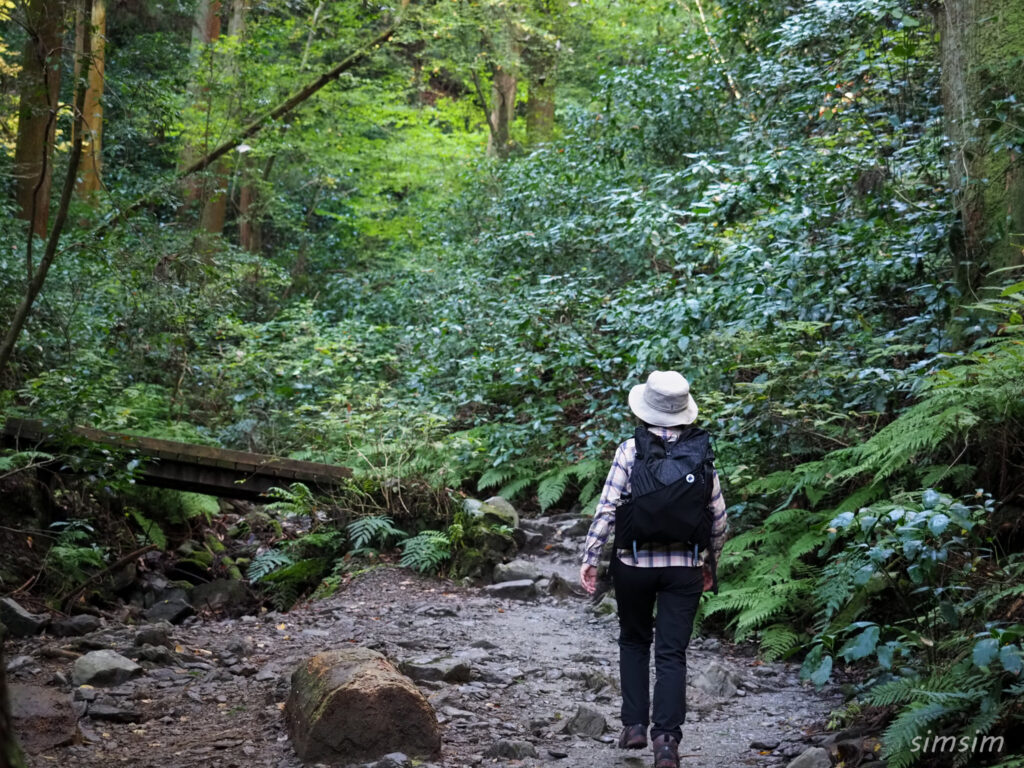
{"x": 445, "y": 268}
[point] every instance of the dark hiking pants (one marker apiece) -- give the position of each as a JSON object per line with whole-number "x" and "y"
{"x": 676, "y": 591}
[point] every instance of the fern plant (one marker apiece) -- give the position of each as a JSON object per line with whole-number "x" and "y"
{"x": 373, "y": 529}
{"x": 426, "y": 551}
{"x": 266, "y": 563}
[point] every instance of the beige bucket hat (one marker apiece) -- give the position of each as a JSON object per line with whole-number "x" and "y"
{"x": 664, "y": 400}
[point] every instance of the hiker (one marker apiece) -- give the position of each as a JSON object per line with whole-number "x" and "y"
{"x": 672, "y": 526}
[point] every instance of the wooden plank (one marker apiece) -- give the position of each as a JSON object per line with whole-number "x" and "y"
{"x": 22, "y": 431}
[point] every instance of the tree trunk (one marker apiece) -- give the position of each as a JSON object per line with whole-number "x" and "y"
{"x": 39, "y": 88}
{"x": 539, "y": 58}
{"x": 503, "y": 94}
{"x": 38, "y": 276}
{"x": 89, "y": 180}
{"x": 205, "y": 29}
{"x": 982, "y": 49}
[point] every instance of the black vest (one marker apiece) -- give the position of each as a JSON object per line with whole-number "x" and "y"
{"x": 671, "y": 490}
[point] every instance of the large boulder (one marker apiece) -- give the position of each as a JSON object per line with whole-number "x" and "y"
{"x": 352, "y": 704}
{"x": 104, "y": 667}
{"x": 43, "y": 718}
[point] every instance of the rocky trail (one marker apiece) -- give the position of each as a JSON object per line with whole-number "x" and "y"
{"x": 521, "y": 672}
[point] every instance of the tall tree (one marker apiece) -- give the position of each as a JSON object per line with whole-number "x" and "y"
{"x": 503, "y": 110}
{"x": 39, "y": 89}
{"x": 982, "y": 44}
{"x": 89, "y": 180}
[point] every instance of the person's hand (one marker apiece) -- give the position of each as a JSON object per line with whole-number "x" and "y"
{"x": 588, "y": 578}
{"x": 709, "y": 579}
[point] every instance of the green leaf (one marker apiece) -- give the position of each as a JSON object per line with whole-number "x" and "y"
{"x": 1010, "y": 656}
{"x": 861, "y": 645}
{"x": 985, "y": 651}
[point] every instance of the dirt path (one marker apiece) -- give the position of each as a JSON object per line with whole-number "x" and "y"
{"x": 216, "y": 699}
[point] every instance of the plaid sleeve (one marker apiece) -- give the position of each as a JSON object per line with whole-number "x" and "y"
{"x": 720, "y": 524}
{"x": 604, "y": 517}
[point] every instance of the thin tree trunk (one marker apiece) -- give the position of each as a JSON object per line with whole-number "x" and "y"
{"x": 39, "y": 90}
{"x": 90, "y": 179}
{"x": 36, "y": 283}
{"x": 503, "y": 94}
{"x": 539, "y": 58}
{"x": 205, "y": 29}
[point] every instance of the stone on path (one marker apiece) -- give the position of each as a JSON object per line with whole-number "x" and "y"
{"x": 717, "y": 681}
{"x": 587, "y": 722}
{"x": 446, "y": 670}
{"x": 511, "y": 750}
{"x": 517, "y": 570}
{"x": 43, "y": 717}
{"x": 158, "y": 633}
{"x": 173, "y": 610}
{"x": 352, "y": 704}
{"x": 522, "y": 589}
{"x": 73, "y": 626}
{"x": 103, "y": 668}
{"x": 220, "y": 594}
{"x": 19, "y": 622}
{"x": 815, "y": 757}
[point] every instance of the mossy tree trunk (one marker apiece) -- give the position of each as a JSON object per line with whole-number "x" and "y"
{"x": 982, "y": 52}
{"x": 89, "y": 180}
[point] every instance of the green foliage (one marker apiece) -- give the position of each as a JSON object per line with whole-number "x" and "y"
{"x": 152, "y": 533}
{"x": 267, "y": 562}
{"x": 375, "y": 529}
{"x": 75, "y": 553}
{"x": 426, "y": 551}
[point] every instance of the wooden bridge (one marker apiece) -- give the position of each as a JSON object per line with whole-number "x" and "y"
{"x": 183, "y": 466}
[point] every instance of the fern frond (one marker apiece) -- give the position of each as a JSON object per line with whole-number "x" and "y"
{"x": 492, "y": 477}
{"x": 374, "y": 528}
{"x": 551, "y": 488}
{"x": 778, "y": 640}
{"x": 152, "y": 532}
{"x": 426, "y": 551}
{"x": 266, "y": 563}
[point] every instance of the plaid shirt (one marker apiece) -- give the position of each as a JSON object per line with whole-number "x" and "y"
{"x": 652, "y": 555}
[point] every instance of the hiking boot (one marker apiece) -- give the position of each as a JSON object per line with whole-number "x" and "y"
{"x": 666, "y": 751}
{"x": 633, "y": 737}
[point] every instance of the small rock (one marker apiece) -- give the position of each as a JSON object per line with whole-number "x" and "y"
{"x": 158, "y": 654}
{"x": 717, "y": 681}
{"x": 764, "y": 744}
{"x": 517, "y": 570}
{"x": 103, "y": 668}
{"x": 815, "y": 757}
{"x": 158, "y": 633}
{"x": 523, "y": 589}
{"x": 511, "y": 750}
{"x": 220, "y": 595}
{"x": 19, "y": 662}
{"x": 587, "y": 722}
{"x": 19, "y": 622}
{"x": 446, "y": 670}
{"x": 174, "y": 610}
{"x": 82, "y": 624}
{"x": 242, "y": 647}
{"x": 559, "y": 587}
{"x": 558, "y": 754}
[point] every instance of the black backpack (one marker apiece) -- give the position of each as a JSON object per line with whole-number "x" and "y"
{"x": 671, "y": 489}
